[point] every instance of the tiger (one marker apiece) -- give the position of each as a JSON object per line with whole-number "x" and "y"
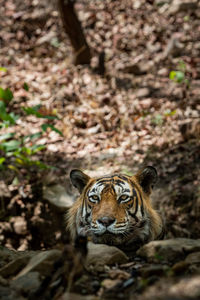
{"x": 115, "y": 209}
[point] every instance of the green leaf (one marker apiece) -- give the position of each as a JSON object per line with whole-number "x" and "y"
{"x": 2, "y": 107}
{"x": 12, "y": 167}
{"x": 26, "y": 87}
{"x": 15, "y": 181}
{"x": 19, "y": 161}
{"x": 180, "y": 76}
{"x": 158, "y": 120}
{"x": 10, "y": 119}
{"x": 6, "y": 94}
{"x": 50, "y": 117}
{"x": 172, "y": 75}
{"x": 25, "y": 150}
{"x": 45, "y": 126}
{"x": 2, "y": 159}
{"x": 10, "y": 146}
{"x": 169, "y": 112}
{"x": 32, "y": 136}
{"x": 37, "y": 148}
{"x": 40, "y": 165}
{"x": 6, "y": 136}
{"x": 177, "y": 76}
{"x": 3, "y": 69}
{"x": 4, "y": 116}
{"x": 34, "y": 111}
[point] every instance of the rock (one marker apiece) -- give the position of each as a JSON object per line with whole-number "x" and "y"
{"x": 100, "y": 255}
{"x": 157, "y": 270}
{"x": 164, "y": 289}
{"x": 182, "y": 5}
{"x": 169, "y": 250}
{"x": 192, "y": 263}
{"x": 42, "y": 262}
{"x": 73, "y": 296}
{"x": 119, "y": 274}
{"x": 27, "y": 283}
{"x": 84, "y": 283}
{"x": 110, "y": 283}
{"x": 180, "y": 267}
{"x": 7, "y": 255}
{"x": 187, "y": 287}
{"x": 3, "y": 281}
{"x": 16, "y": 265}
{"x": 57, "y": 195}
{"x": 7, "y": 294}
{"x": 193, "y": 258}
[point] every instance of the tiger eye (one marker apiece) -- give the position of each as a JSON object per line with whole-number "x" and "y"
{"x": 123, "y": 197}
{"x": 93, "y": 198}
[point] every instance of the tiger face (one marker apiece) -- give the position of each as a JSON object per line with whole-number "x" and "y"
{"x": 115, "y": 209}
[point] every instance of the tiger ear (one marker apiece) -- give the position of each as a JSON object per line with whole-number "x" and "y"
{"x": 147, "y": 178}
{"x": 79, "y": 179}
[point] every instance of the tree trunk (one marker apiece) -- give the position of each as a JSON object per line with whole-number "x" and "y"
{"x": 74, "y": 31}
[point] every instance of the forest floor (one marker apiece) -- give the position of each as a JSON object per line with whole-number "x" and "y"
{"x": 134, "y": 115}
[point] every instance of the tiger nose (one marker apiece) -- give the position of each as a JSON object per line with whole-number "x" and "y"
{"x": 106, "y": 221}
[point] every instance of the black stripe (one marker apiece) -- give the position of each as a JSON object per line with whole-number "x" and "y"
{"x": 134, "y": 192}
{"x": 120, "y": 182}
{"x": 122, "y": 177}
{"x": 87, "y": 214}
{"x": 133, "y": 216}
{"x": 106, "y": 187}
{"x": 101, "y": 182}
{"x": 112, "y": 188}
{"x": 126, "y": 190}
{"x": 82, "y": 207}
{"x": 136, "y": 208}
{"x": 94, "y": 190}
{"x": 104, "y": 178}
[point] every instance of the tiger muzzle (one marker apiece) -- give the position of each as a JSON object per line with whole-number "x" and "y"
{"x": 106, "y": 221}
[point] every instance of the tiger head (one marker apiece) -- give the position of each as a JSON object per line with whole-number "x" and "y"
{"x": 115, "y": 209}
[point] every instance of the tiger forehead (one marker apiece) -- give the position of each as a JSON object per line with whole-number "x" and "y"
{"x": 114, "y": 183}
